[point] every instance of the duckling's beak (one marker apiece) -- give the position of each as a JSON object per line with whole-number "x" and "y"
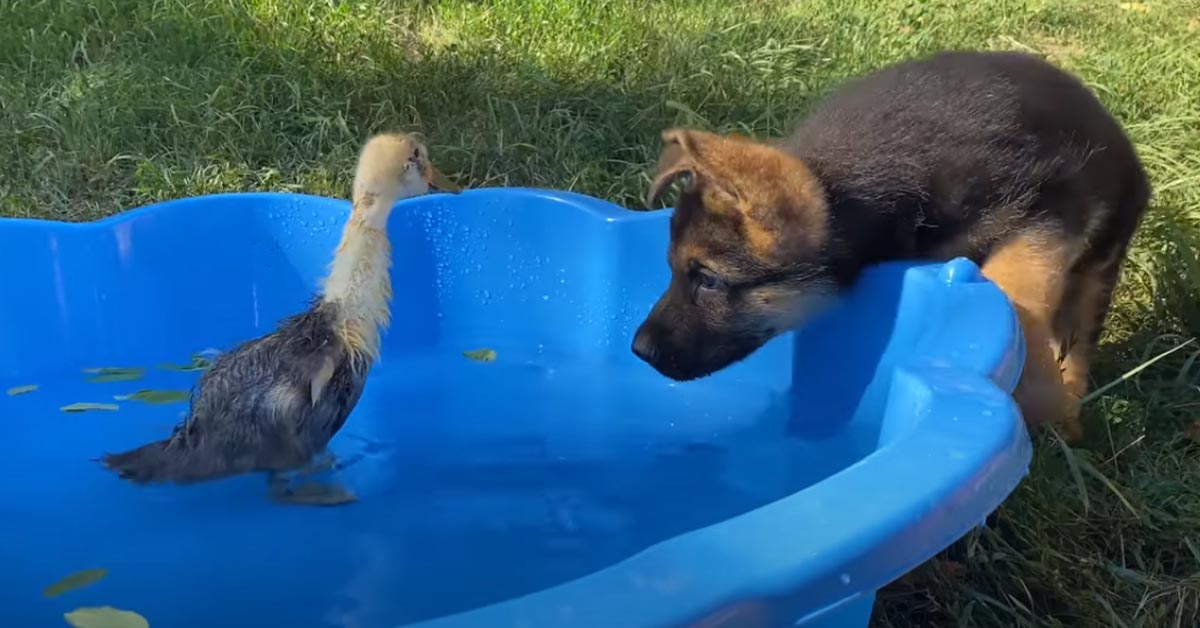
{"x": 439, "y": 181}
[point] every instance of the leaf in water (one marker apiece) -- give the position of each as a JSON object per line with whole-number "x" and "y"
{"x": 481, "y": 355}
{"x": 84, "y": 407}
{"x": 155, "y": 396}
{"x": 77, "y": 580}
{"x": 22, "y": 390}
{"x": 113, "y": 374}
{"x": 198, "y": 363}
{"x": 105, "y": 617}
{"x": 316, "y": 494}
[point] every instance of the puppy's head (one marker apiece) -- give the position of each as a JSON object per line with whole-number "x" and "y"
{"x": 747, "y": 252}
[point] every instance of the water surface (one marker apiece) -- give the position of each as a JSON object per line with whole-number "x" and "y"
{"x": 478, "y": 482}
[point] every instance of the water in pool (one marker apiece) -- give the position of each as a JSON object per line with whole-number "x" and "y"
{"x": 477, "y": 481}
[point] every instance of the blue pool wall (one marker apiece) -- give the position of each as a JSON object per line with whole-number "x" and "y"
{"x": 574, "y": 277}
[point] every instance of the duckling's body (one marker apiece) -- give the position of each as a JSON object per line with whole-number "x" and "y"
{"x": 273, "y": 403}
{"x": 258, "y": 407}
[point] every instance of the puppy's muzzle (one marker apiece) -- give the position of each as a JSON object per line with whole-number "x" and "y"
{"x": 644, "y": 346}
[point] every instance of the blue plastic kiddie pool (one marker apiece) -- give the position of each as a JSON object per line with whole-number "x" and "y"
{"x": 563, "y": 485}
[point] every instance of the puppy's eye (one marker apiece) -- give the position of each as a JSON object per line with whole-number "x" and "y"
{"x": 707, "y": 280}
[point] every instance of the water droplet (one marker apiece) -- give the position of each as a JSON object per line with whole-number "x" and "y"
{"x": 545, "y": 297}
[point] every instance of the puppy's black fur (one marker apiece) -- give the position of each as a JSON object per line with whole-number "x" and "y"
{"x": 995, "y": 156}
{"x": 925, "y": 152}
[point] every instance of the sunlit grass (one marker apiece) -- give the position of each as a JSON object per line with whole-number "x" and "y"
{"x": 109, "y": 104}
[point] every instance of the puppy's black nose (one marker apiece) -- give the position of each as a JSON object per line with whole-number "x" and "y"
{"x": 643, "y": 346}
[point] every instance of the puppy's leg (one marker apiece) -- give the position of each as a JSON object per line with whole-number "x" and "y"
{"x": 1080, "y": 320}
{"x": 1030, "y": 268}
{"x": 1078, "y": 323}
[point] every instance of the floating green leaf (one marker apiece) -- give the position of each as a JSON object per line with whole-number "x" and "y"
{"x": 105, "y": 617}
{"x": 21, "y": 390}
{"x": 198, "y": 363}
{"x": 114, "y": 374}
{"x": 77, "y": 580}
{"x": 316, "y": 494}
{"x": 481, "y": 355}
{"x": 85, "y": 406}
{"x": 155, "y": 396}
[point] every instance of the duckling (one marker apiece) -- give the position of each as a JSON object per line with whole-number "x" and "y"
{"x": 272, "y": 404}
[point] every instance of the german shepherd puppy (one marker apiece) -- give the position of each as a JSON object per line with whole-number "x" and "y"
{"x": 999, "y": 157}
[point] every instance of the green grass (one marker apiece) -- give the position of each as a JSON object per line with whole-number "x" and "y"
{"x": 109, "y": 104}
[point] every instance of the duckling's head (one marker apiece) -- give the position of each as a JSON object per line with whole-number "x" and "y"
{"x": 394, "y": 166}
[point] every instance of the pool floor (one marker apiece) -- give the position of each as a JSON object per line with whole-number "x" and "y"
{"x": 477, "y": 481}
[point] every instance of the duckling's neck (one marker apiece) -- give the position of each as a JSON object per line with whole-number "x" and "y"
{"x": 359, "y": 283}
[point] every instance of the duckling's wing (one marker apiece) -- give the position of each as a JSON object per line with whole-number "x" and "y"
{"x": 315, "y": 369}
{"x": 327, "y": 364}
{"x": 332, "y": 391}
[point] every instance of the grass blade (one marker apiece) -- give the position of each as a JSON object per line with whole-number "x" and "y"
{"x": 1132, "y": 372}
{"x": 1073, "y": 466}
{"x": 1094, "y": 472}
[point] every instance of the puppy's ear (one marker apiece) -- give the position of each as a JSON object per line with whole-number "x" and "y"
{"x": 677, "y": 160}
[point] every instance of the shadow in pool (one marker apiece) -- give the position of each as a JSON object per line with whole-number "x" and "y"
{"x": 837, "y": 359}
